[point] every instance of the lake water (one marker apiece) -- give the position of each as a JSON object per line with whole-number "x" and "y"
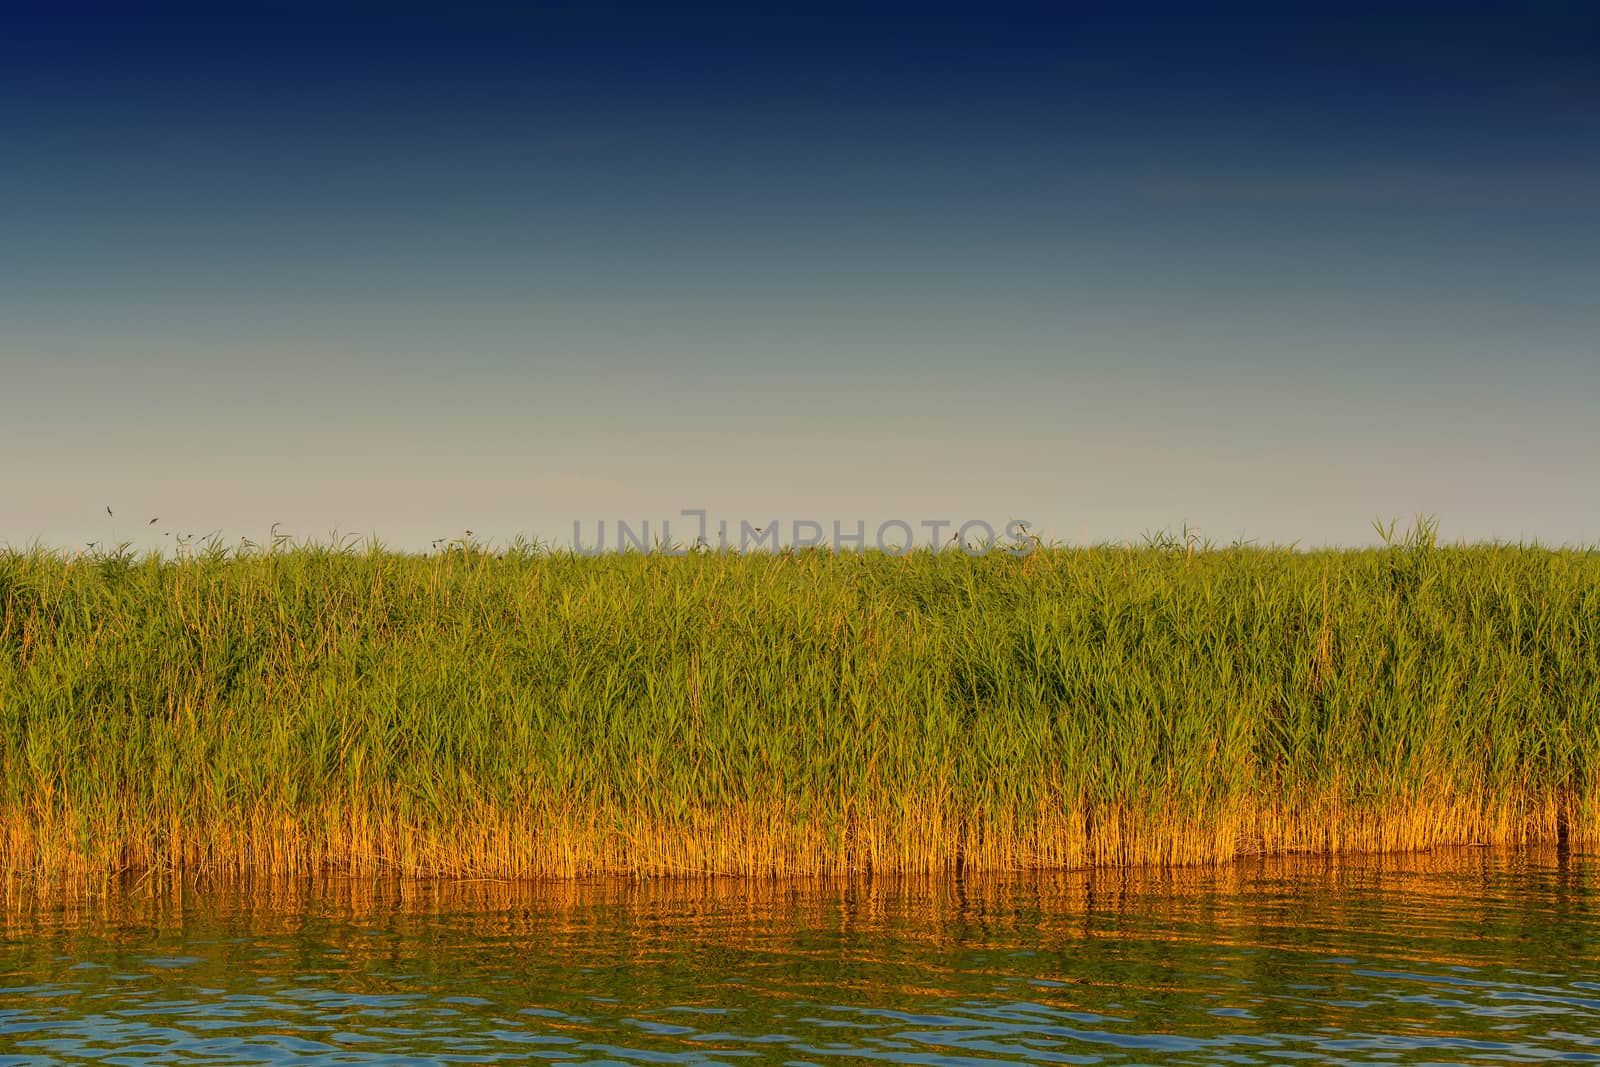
{"x": 1469, "y": 957}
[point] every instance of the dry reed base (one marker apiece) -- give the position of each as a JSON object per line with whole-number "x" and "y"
{"x": 914, "y": 838}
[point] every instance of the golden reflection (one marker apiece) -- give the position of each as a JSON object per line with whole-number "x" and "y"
{"x": 1244, "y": 904}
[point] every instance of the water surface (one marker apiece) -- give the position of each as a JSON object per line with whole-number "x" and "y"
{"x": 1467, "y": 957}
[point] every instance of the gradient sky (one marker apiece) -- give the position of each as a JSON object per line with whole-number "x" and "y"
{"x": 1273, "y": 274}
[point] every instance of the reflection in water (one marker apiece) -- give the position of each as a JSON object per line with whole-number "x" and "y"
{"x": 1463, "y": 957}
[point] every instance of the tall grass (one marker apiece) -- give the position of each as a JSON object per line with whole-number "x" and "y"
{"x": 544, "y": 713}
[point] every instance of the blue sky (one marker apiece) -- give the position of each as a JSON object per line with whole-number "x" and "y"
{"x": 1274, "y": 275}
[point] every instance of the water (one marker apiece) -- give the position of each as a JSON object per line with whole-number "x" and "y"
{"x": 1469, "y": 957}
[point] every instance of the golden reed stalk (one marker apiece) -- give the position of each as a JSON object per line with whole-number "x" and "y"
{"x": 917, "y": 841}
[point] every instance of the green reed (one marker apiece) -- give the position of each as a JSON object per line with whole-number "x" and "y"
{"x": 527, "y": 712}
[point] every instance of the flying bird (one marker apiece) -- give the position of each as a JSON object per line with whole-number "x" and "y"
{"x": 153, "y": 521}
{"x": 108, "y": 511}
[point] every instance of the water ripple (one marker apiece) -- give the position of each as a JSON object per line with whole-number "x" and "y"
{"x": 1481, "y": 958}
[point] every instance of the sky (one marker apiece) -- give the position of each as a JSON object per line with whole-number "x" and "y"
{"x": 377, "y": 271}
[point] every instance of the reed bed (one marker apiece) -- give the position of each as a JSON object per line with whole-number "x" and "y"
{"x": 533, "y": 713}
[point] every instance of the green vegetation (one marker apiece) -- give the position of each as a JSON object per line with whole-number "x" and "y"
{"x": 545, "y": 713}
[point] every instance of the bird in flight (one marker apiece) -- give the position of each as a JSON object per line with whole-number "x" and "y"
{"x": 153, "y": 521}
{"x": 108, "y": 511}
